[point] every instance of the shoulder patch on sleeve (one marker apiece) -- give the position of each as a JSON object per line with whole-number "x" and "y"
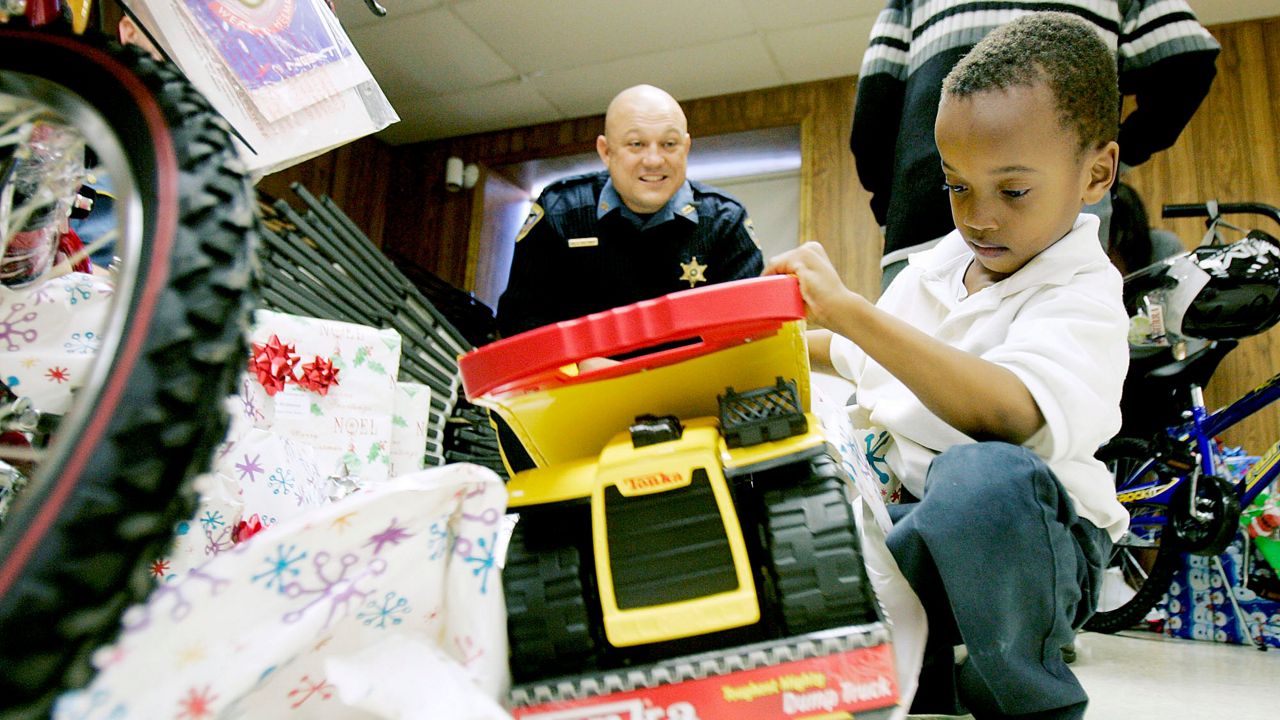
{"x": 751, "y": 230}
{"x": 535, "y": 214}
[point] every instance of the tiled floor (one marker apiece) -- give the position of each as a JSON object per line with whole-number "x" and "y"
{"x": 1144, "y": 676}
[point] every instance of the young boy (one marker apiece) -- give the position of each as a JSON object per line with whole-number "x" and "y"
{"x": 996, "y": 362}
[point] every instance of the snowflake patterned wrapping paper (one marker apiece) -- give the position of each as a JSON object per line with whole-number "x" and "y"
{"x": 207, "y": 533}
{"x": 829, "y": 395}
{"x": 276, "y": 476}
{"x": 350, "y": 426}
{"x": 220, "y": 503}
{"x": 250, "y": 407}
{"x": 51, "y": 331}
{"x": 409, "y": 427}
{"x": 860, "y": 446}
{"x": 255, "y": 473}
{"x": 296, "y": 621}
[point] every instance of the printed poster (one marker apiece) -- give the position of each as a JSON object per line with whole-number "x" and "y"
{"x": 268, "y": 41}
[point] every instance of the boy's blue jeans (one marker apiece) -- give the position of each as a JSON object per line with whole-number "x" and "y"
{"x": 1003, "y": 565}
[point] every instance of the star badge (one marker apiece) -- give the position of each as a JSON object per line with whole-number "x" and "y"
{"x": 693, "y": 272}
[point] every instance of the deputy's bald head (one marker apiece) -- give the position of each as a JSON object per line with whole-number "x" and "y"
{"x": 645, "y": 145}
{"x": 643, "y": 104}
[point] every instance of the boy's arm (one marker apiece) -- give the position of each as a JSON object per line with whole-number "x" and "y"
{"x": 977, "y": 397}
{"x": 819, "y": 342}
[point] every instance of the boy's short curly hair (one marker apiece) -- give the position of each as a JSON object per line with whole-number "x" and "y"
{"x": 1063, "y": 51}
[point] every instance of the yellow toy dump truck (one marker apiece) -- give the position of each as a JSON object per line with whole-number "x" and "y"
{"x": 680, "y": 499}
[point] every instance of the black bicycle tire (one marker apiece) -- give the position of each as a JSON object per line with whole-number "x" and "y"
{"x": 812, "y": 552}
{"x": 75, "y": 547}
{"x": 1160, "y": 574}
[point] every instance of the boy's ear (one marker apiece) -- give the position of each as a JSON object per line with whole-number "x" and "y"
{"x": 1104, "y": 167}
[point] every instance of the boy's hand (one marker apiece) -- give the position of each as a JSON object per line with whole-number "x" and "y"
{"x": 977, "y": 397}
{"x": 820, "y": 285}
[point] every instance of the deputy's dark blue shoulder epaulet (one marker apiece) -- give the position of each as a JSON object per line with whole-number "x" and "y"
{"x": 591, "y": 180}
{"x": 704, "y": 189}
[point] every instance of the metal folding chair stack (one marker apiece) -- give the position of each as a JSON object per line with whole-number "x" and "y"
{"x": 317, "y": 263}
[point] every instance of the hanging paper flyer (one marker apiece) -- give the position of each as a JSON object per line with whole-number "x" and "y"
{"x": 282, "y": 72}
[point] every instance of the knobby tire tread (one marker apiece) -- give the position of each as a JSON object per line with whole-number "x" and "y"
{"x": 93, "y": 560}
{"x": 547, "y": 619}
{"x": 815, "y": 560}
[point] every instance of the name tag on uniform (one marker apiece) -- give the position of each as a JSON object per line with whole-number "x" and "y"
{"x": 583, "y": 242}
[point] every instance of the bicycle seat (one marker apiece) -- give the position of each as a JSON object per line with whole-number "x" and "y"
{"x": 1197, "y": 367}
{"x": 1156, "y": 390}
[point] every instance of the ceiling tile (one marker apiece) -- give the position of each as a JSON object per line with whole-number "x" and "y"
{"x": 354, "y": 13}
{"x": 429, "y": 52}
{"x": 508, "y": 105}
{"x": 578, "y": 53}
{"x": 820, "y": 51}
{"x": 547, "y": 35}
{"x": 770, "y": 14}
{"x": 713, "y": 69}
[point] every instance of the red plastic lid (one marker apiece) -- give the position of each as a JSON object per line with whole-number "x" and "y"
{"x": 717, "y": 315}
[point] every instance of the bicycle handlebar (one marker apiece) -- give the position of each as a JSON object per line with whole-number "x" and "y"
{"x": 1202, "y": 210}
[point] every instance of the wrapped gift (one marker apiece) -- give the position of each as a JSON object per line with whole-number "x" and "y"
{"x": 275, "y": 475}
{"x": 409, "y": 427}
{"x": 330, "y": 385}
{"x": 209, "y": 532}
{"x": 1198, "y": 604}
{"x": 862, "y": 446}
{"x": 259, "y": 479}
{"x": 50, "y": 332}
{"x": 386, "y": 603}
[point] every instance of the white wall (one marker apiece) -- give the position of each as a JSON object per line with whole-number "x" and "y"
{"x": 773, "y": 203}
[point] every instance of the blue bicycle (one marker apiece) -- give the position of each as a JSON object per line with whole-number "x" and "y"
{"x": 1191, "y": 311}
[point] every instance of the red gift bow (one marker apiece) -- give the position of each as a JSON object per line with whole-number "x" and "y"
{"x": 273, "y": 363}
{"x": 318, "y": 376}
{"x": 246, "y": 529}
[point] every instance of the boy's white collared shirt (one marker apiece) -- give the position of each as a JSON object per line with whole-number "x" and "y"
{"x": 1058, "y": 323}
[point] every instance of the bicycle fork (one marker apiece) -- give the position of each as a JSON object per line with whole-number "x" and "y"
{"x": 1206, "y": 463}
{"x": 1205, "y": 456}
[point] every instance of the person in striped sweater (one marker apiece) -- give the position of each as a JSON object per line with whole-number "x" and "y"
{"x": 1165, "y": 60}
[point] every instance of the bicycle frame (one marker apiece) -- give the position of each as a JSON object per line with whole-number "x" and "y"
{"x": 1205, "y": 426}
{"x": 1200, "y": 429}
{"x": 1170, "y": 472}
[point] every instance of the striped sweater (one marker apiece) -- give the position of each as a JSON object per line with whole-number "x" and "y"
{"x": 1165, "y": 61}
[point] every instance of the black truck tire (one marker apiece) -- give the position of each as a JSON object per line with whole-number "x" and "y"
{"x": 549, "y": 625}
{"x": 814, "y": 558}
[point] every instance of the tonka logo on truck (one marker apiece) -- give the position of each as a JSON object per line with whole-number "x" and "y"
{"x": 651, "y": 483}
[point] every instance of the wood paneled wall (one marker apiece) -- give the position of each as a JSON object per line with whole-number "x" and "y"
{"x": 432, "y": 224}
{"x": 1230, "y": 151}
{"x": 354, "y": 175}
